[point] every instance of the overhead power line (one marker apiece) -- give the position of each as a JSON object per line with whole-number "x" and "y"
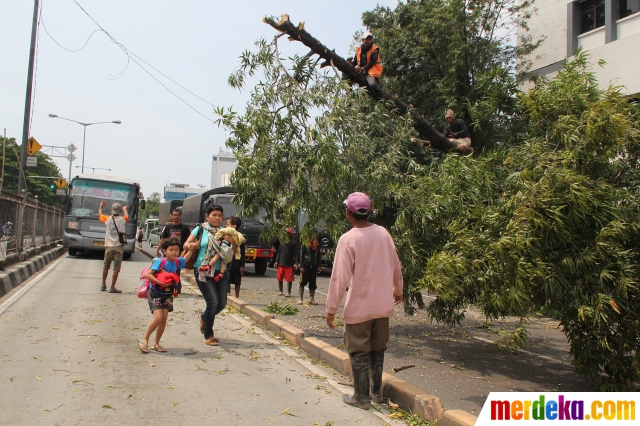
{"x": 136, "y": 59}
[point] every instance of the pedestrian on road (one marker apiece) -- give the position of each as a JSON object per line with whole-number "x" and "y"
{"x": 310, "y": 267}
{"x": 174, "y": 229}
{"x": 367, "y": 263}
{"x": 236, "y": 270}
{"x": 214, "y": 292}
{"x": 140, "y": 235}
{"x": 113, "y": 249}
{"x": 286, "y": 262}
{"x": 165, "y": 284}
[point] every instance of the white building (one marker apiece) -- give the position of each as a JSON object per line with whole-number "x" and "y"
{"x": 222, "y": 167}
{"x": 608, "y": 30}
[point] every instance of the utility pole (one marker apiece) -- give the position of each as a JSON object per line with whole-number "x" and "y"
{"x": 4, "y": 143}
{"x": 27, "y": 103}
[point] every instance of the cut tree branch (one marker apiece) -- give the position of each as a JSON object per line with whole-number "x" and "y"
{"x": 437, "y": 140}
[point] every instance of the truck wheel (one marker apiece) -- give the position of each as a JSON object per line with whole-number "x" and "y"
{"x": 72, "y": 252}
{"x": 126, "y": 256}
{"x": 260, "y": 266}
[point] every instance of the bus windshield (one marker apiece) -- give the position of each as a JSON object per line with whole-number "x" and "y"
{"x": 88, "y": 193}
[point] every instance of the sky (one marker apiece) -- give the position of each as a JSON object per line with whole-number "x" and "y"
{"x": 196, "y": 43}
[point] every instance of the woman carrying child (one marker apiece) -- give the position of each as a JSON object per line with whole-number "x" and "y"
{"x": 164, "y": 286}
{"x": 212, "y": 284}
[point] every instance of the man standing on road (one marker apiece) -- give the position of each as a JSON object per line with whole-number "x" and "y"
{"x": 367, "y": 263}
{"x": 113, "y": 249}
{"x": 174, "y": 229}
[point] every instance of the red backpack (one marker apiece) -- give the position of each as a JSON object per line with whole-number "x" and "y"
{"x": 143, "y": 289}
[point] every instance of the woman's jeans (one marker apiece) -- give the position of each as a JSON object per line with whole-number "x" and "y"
{"x": 215, "y": 295}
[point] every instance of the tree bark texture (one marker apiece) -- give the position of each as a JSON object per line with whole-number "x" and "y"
{"x": 431, "y": 136}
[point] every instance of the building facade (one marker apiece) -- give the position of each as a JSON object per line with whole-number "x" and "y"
{"x": 222, "y": 167}
{"x": 180, "y": 191}
{"x": 608, "y": 30}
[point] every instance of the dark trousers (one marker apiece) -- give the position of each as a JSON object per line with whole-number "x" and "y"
{"x": 215, "y": 296}
{"x": 369, "y": 336}
{"x": 309, "y": 276}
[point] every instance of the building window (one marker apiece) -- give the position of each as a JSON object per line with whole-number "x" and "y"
{"x": 591, "y": 15}
{"x": 628, "y": 7}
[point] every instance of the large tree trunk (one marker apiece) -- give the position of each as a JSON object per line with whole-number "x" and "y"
{"x": 425, "y": 130}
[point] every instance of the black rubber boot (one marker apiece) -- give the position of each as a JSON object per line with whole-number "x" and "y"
{"x": 312, "y": 297}
{"x": 360, "y": 370}
{"x": 376, "y": 363}
{"x": 289, "y": 289}
{"x": 279, "y": 288}
{"x": 301, "y": 291}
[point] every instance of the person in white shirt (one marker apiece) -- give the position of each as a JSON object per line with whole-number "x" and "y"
{"x": 113, "y": 249}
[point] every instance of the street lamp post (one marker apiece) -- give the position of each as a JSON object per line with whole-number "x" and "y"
{"x": 84, "y": 138}
{"x": 93, "y": 169}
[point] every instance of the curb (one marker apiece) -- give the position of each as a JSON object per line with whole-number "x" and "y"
{"x": 409, "y": 397}
{"x": 20, "y": 272}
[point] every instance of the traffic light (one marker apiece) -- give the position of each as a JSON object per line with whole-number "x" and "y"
{"x": 52, "y": 185}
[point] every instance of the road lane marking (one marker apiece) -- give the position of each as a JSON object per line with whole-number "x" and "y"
{"x": 13, "y": 299}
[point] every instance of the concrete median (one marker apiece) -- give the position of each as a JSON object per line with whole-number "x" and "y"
{"x": 18, "y": 273}
{"x": 409, "y": 397}
{"x": 257, "y": 315}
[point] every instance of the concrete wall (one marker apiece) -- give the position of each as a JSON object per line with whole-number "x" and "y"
{"x": 623, "y": 59}
{"x": 618, "y": 43}
{"x": 591, "y": 39}
{"x": 550, "y": 21}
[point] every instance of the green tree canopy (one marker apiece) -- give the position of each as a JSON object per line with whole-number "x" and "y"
{"x": 152, "y": 207}
{"x": 35, "y": 186}
{"x": 456, "y": 54}
{"x": 546, "y": 220}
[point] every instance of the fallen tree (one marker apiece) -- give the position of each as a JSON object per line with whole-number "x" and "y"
{"x": 430, "y": 136}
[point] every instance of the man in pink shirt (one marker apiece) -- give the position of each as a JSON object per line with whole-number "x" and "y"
{"x": 366, "y": 262}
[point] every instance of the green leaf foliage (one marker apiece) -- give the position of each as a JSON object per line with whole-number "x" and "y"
{"x": 549, "y": 224}
{"x": 152, "y": 207}
{"x": 457, "y": 54}
{"x": 35, "y": 186}
{"x": 545, "y": 220}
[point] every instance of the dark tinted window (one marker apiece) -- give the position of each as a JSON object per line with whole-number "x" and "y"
{"x": 628, "y": 7}
{"x": 591, "y": 15}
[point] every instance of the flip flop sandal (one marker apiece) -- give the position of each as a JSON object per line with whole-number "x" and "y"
{"x": 143, "y": 348}
{"x": 114, "y": 290}
{"x": 103, "y": 288}
{"x": 211, "y": 342}
{"x": 158, "y": 348}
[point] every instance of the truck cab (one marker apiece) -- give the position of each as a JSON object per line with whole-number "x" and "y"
{"x": 257, "y": 251}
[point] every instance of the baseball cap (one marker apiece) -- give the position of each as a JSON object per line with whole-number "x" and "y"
{"x": 290, "y": 230}
{"x": 116, "y": 208}
{"x": 367, "y": 34}
{"x": 358, "y": 203}
{"x": 449, "y": 113}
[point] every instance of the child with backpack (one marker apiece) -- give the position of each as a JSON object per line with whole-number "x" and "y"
{"x": 164, "y": 286}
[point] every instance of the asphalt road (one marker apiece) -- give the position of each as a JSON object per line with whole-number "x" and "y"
{"x": 69, "y": 356}
{"x": 460, "y": 365}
